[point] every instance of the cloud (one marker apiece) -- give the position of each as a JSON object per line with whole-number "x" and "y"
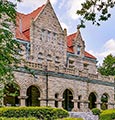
{"x": 29, "y": 5}
{"x": 73, "y": 6}
{"x": 107, "y": 48}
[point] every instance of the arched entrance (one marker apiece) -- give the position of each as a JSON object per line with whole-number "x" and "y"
{"x": 11, "y": 92}
{"x": 33, "y": 94}
{"x": 68, "y": 97}
{"x": 104, "y": 101}
{"x": 92, "y": 99}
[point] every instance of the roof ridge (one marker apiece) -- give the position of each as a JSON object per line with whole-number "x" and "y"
{"x": 26, "y": 14}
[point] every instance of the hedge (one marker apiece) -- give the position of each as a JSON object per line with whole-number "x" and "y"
{"x": 45, "y": 113}
{"x": 107, "y": 114}
{"x": 30, "y": 118}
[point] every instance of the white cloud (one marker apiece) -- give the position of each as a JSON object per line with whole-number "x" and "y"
{"x": 110, "y": 45}
{"x": 29, "y": 5}
{"x": 107, "y": 48}
{"x": 73, "y": 6}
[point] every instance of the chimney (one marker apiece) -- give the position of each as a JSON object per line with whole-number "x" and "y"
{"x": 20, "y": 25}
{"x": 65, "y": 32}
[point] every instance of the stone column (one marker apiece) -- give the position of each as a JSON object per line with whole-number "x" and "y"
{"x": 23, "y": 100}
{"x": 98, "y": 104}
{"x": 75, "y": 105}
{"x": 84, "y": 105}
{"x": 60, "y": 102}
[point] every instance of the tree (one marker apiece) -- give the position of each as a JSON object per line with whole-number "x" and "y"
{"x": 95, "y": 11}
{"x": 9, "y": 47}
{"x": 108, "y": 66}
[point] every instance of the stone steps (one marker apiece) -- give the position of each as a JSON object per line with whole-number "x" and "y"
{"x": 84, "y": 115}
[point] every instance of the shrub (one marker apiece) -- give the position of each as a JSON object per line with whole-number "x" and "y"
{"x": 108, "y": 114}
{"x": 45, "y": 113}
{"x": 96, "y": 111}
{"x": 30, "y": 118}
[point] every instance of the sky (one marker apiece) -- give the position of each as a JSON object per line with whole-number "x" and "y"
{"x": 99, "y": 41}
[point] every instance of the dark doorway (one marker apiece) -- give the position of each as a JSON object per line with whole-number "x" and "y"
{"x": 33, "y": 96}
{"x": 67, "y": 103}
{"x": 92, "y": 100}
{"x": 11, "y": 92}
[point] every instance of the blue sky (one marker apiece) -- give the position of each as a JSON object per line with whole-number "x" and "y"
{"x": 99, "y": 41}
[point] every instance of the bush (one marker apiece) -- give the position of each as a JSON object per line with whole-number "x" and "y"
{"x": 45, "y": 113}
{"x": 30, "y": 118}
{"x": 96, "y": 111}
{"x": 108, "y": 114}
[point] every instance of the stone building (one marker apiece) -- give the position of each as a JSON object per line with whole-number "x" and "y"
{"x": 65, "y": 74}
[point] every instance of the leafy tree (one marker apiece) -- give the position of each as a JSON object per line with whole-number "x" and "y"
{"x": 9, "y": 47}
{"x": 95, "y": 11}
{"x": 108, "y": 66}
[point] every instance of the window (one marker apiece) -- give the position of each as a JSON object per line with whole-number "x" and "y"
{"x": 40, "y": 57}
{"x": 71, "y": 63}
{"x": 56, "y": 99}
{"x": 78, "y": 49}
{"x": 55, "y": 36}
{"x": 42, "y": 34}
{"x": 49, "y": 57}
{"x": 79, "y": 98}
{"x": 57, "y": 59}
{"x": 49, "y": 35}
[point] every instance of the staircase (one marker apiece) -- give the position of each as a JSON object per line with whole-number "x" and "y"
{"x": 84, "y": 115}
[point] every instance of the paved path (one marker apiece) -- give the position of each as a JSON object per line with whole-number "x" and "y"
{"x": 84, "y": 115}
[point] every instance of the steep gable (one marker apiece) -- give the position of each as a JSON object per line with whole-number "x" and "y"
{"x": 71, "y": 39}
{"x": 23, "y": 23}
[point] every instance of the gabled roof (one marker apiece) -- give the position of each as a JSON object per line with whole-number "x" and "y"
{"x": 23, "y": 22}
{"x": 70, "y": 49}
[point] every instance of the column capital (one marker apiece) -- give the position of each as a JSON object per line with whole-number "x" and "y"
{"x": 22, "y": 97}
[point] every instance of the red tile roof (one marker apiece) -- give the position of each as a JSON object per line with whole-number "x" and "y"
{"x": 23, "y": 23}
{"x": 89, "y": 55}
{"x": 70, "y": 49}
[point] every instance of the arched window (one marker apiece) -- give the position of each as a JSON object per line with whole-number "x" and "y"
{"x": 11, "y": 93}
{"x": 104, "y": 101}
{"x": 92, "y": 99}
{"x": 33, "y": 96}
{"x": 68, "y": 97}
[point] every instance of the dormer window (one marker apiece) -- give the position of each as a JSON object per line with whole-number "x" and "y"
{"x": 78, "y": 49}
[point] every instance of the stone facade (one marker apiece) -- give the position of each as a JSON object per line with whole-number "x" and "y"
{"x": 63, "y": 79}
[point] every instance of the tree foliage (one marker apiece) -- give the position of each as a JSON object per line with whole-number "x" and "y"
{"x": 108, "y": 66}
{"x": 9, "y": 47}
{"x": 95, "y": 11}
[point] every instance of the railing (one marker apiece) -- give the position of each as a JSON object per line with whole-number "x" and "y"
{"x": 72, "y": 71}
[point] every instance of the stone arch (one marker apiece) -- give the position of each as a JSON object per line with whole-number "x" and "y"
{"x": 67, "y": 100}
{"x": 92, "y": 100}
{"x": 104, "y": 101}
{"x": 33, "y": 93}
{"x": 11, "y": 93}
{"x": 63, "y": 89}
